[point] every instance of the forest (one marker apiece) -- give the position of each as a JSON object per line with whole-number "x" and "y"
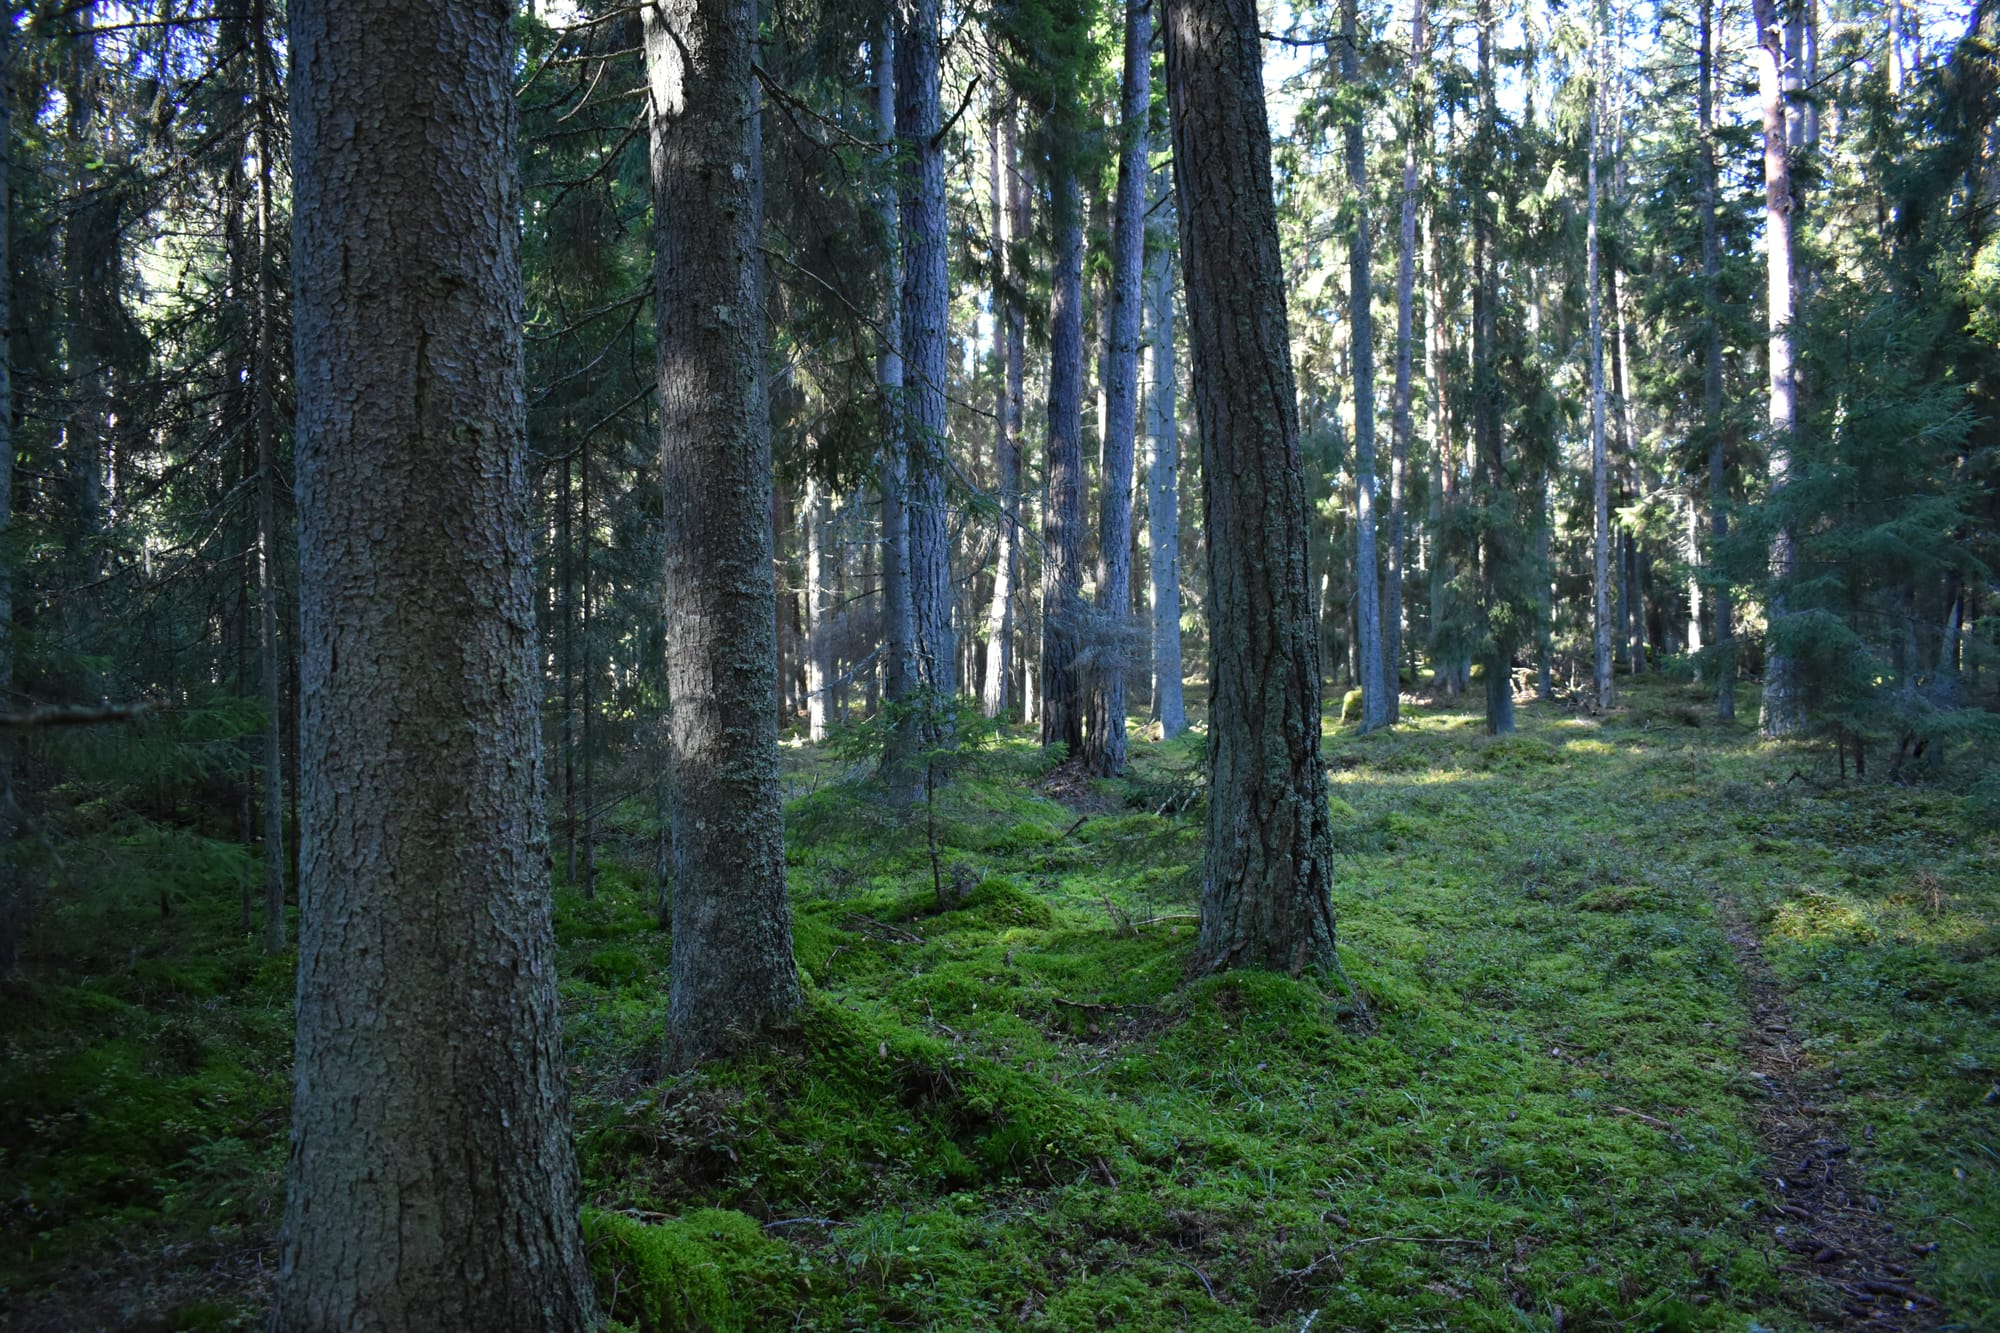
{"x": 717, "y": 665}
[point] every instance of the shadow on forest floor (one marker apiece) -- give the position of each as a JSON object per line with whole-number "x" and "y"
{"x": 1006, "y": 1110}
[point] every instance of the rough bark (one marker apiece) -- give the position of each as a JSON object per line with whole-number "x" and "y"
{"x": 1361, "y": 306}
{"x": 1104, "y": 739}
{"x": 1163, "y": 516}
{"x": 432, "y": 1178}
{"x": 926, "y": 331}
{"x": 1783, "y": 711}
{"x": 1399, "y": 430}
{"x": 1062, "y": 512}
{"x": 733, "y": 974}
{"x": 1267, "y": 866}
{"x": 1009, "y": 201}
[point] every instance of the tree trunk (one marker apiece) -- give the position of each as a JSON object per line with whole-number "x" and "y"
{"x": 1628, "y": 435}
{"x": 1267, "y": 866}
{"x": 1361, "y": 304}
{"x": 1062, "y": 513}
{"x": 1724, "y": 635}
{"x": 733, "y": 974}
{"x": 1600, "y": 462}
{"x": 1496, "y": 540}
{"x": 930, "y": 678}
{"x": 1104, "y": 742}
{"x": 1010, "y": 207}
{"x": 1783, "y": 711}
{"x": 432, "y": 1179}
{"x": 264, "y": 372}
{"x": 1406, "y": 285}
{"x": 1163, "y": 520}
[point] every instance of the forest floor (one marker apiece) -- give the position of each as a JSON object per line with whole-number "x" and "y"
{"x": 1667, "y": 1029}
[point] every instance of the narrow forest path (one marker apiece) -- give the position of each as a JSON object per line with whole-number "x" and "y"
{"x": 1822, "y": 1212}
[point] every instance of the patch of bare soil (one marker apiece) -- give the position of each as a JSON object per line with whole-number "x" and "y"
{"x": 1856, "y": 1269}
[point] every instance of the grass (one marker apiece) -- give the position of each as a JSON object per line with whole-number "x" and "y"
{"x": 1009, "y": 1110}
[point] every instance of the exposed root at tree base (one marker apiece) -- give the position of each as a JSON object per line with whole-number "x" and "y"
{"x": 1856, "y": 1268}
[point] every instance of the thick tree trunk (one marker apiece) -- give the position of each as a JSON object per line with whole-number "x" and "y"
{"x": 1783, "y": 710}
{"x": 733, "y": 974}
{"x": 1163, "y": 514}
{"x": 1009, "y": 203}
{"x": 1406, "y": 285}
{"x": 1361, "y": 305}
{"x": 926, "y": 333}
{"x": 1062, "y": 513}
{"x": 1724, "y": 631}
{"x": 916, "y": 582}
{"x": 1104, "y": 741}
{"x": 1600, "y": 462}
{"x": 432, "y": 1180}
{"x": 1267, "y": 867}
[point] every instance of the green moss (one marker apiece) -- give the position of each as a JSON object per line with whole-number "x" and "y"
{"x": 684, "y": 1275}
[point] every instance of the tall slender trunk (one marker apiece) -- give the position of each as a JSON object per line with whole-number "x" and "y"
{"x": 1628, "y": 435}
{"x": 1783, "y": 710}
{"x": 733, "y": 977}
{"x": 433, "y": 1180}
{"x": 1406, "y": 285}
{"x": 1062, "y": 512}
{"x": 1104, "y": 741}
{"x": 1268, "y": 863}
{"x": 1163, "y": 516}
{"x": 1724, "y": 630}
{"x": 1441, "y": 466}
{"x": 264, "y": 372}
{"x": 1496, "y": 544}
{"x": 1600, "y": 463}
{"x": 1009, "y": 206}
{"x": 930, "y": 675}
{"x": 1361, "y": 305}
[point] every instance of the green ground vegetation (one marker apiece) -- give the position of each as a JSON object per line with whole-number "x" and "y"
{"x": 1006, "y": 1107}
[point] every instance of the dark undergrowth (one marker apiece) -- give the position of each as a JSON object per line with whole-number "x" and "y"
{"x": 1005, "y": 1108}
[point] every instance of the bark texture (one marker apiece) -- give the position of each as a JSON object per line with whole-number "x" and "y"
{"x": 1104, "y": 741}
{"x": 1266, "y": 870}
{"x": 1062, "y": 513}
{"x": 1783, "y": 711}
{"x": 926, "y": 345}
{"x": 432, "y": 1181}
{"x": 733, "y": 974}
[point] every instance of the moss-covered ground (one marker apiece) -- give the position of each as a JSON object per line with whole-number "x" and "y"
{"x": 1009, "y": 1109}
